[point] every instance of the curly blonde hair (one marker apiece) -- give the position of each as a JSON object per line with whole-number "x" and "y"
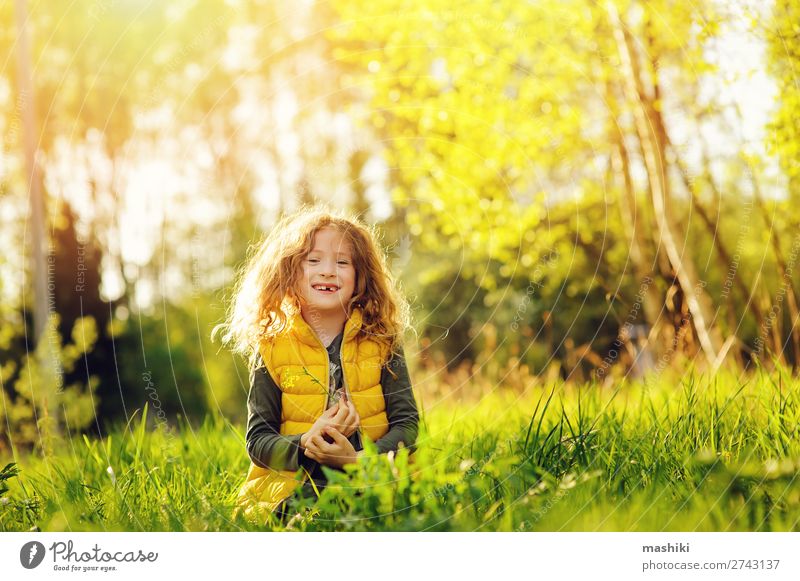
{"x": 265, "y": 295}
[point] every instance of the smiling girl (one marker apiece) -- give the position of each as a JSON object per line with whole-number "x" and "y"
{"x": 318, "y": 315}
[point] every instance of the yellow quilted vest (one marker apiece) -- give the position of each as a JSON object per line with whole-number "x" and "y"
{"x": 298, "y": 363}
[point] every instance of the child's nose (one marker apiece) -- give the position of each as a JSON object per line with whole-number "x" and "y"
{"x": 328, "y": 268}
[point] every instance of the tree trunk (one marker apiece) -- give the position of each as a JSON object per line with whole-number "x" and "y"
{"x": 647, "y": 128}
{"x": 791, "y": 298}
{"x": 633, "y": 218}
{"x": 46, "y": 359}
{"x": 719, "y": 245}
{"x": 780, "y": 261}
{"x": 30, "y": 138}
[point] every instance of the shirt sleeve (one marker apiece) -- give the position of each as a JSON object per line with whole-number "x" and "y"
{"x": 401, "y": 408}
{"x": 266, "y": 446}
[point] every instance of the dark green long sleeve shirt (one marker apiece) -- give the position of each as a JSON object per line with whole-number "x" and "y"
{"x": 269, "y": 449}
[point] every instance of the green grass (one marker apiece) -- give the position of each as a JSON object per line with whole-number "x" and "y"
{"x": 683, "y": 455}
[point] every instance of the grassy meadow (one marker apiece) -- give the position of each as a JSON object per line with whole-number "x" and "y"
{"x": 668, "y": 454}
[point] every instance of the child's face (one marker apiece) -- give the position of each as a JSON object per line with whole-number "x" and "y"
{"x": 330, "y": 262}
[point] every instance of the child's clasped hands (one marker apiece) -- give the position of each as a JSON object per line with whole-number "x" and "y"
{"x": 327, "y": 440}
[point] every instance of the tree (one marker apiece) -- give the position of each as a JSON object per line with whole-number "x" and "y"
{"x": 784, "y": 56}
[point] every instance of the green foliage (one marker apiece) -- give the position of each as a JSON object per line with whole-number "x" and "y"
{"x": 226, "y": 379}
{"x": 161, "y": 361}
{"x": 717, "y": 454}
{"x": 39, "y": 406}
{"x": 495, "y": 110}
{"x": 9, "y": 471}
{"x": 501, "y": 123}
{"x": 784, "y": 48}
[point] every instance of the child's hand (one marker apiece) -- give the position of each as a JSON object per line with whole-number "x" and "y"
{"x": 336, "y": 454}
{"x": 343, "y": 416}
{"x": 352, "y": 420}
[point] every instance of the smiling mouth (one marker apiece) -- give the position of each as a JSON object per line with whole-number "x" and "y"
{"x": 327, "y": 289}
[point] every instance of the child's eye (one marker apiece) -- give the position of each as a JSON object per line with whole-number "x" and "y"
{"x": 343, "y": 262}
{"x": 313, "y": 260}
